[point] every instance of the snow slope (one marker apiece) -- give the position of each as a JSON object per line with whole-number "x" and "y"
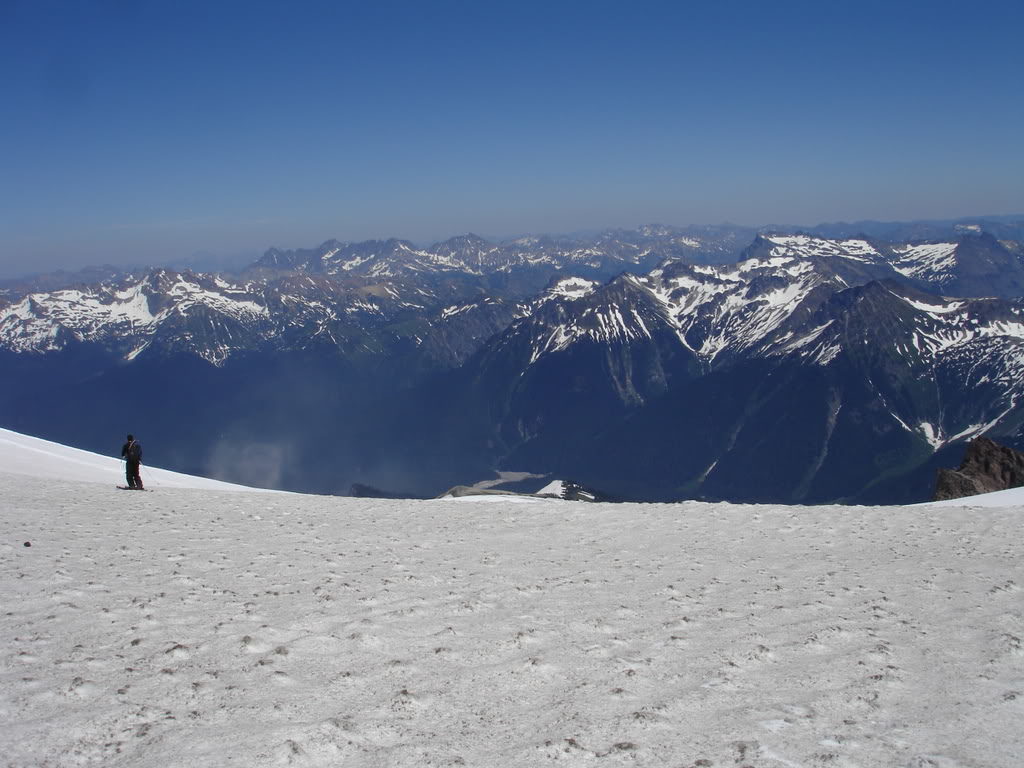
{"x": 194, "y": 627}
{"x": 25, "y": 455}
{"x": 1012, "y": 497}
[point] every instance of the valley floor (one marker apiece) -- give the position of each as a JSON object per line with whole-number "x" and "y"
{"x": 198, "y": 628}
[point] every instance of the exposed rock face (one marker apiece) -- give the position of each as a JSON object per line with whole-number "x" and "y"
{"x": 986, "y": 467}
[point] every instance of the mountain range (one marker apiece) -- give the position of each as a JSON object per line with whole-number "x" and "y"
{"x": 654, "y": 364}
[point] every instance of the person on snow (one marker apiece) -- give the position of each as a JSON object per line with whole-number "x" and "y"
{"x": 131, "y": 452}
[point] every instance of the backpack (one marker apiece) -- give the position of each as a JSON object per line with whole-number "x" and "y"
{"x": 134, "y": 451}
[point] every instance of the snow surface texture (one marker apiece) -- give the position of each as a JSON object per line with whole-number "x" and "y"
{"x": 205, "y": 628}
{"x": 26, "y": 455}
{"x": 1012, "y": 497}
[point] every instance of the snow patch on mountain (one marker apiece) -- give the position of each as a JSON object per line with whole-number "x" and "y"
{"x": 354, "y": 263}
{"x": 557, "y": 339}
{"x": 735, "y": 307}
{"x": 44, "y": 322}
{"x": 35, "y": 322}
{"x": 803, "y": 246}
{"x": 454, "y": 310}
{"x": 709, "y": 308}
{"x": 932, "y": 434}
{"x": 935, "y": 306}
{"x": 941, "y": 326}
{"x": 571, "y": 288}
{"x": 926, "y": 261}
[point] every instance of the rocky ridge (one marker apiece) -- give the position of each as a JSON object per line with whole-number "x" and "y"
{"x": 986, "y": 467}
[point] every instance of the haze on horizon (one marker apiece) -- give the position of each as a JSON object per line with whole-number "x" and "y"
{"x": 146, "y": 132}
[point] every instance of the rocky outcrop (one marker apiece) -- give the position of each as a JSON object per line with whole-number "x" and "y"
{"x": 567, "y": 490}
{"x": 987, "y": 466}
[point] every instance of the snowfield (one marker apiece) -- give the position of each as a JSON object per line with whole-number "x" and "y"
{"x": 197, "y": 627}
{"x": 26, "y": 455}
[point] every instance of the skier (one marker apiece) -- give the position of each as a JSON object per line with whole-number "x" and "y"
{"x": 131, "y": 452}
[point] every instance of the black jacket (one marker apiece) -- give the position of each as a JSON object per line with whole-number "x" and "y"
{"x": 132, "y": 451}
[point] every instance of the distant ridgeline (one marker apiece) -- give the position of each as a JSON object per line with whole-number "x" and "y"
{"x": 655, "y": 364}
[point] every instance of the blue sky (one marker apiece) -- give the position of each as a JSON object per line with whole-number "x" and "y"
{"x": 147, "y": 131}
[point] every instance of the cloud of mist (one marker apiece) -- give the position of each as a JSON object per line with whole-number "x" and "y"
{"x": 260, "y": 464}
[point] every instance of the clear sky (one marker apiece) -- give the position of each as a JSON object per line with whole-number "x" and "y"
{"x": 141, "y": 131}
